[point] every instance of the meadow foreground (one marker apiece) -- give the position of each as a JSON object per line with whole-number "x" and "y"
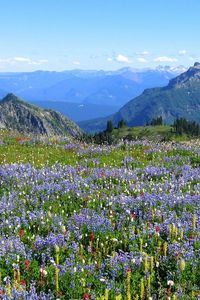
{"x": 99, "y": 222}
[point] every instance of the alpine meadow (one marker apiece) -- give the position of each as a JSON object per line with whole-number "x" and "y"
{"x": 99, "y": 150}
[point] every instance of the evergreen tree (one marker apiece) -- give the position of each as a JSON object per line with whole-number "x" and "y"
{"x": 121, "y": 124}
{"x": 191, "y": 128}
{"x": 109, "y": 127}
{"x": 156, "y": 121}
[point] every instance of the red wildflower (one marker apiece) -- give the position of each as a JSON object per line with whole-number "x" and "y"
{"x": 168, "y": 291}
{"x": 157, "y": 229}
{"x": 21, "y": 139}
{"x": 133, "y": 215}
{"x": 177, "y": 254}
{"x": 142, "y": 194}
{"x": 27, "y": 264}
{"x": 91, "y": 237}
{"x": 78, "y": 168}
{"x": 86, "y": 296}
{"x": 191, "y": 238}
{"x": 23, "y": 283}
{"x": 21, "y": 233}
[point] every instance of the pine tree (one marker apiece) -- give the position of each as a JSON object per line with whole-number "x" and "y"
{"x": 109, "y": 127}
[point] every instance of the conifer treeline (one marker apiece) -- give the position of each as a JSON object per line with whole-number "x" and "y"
{"x": 190, "y": 128}
{"x": 179, "y": 127}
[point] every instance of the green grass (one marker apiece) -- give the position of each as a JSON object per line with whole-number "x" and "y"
{"x": 37, "y": 155}
{"x": 151, "y": 132}
{"x": 40, "y": 153}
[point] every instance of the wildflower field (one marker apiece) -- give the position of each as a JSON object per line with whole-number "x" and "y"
{"x": 99, "y": 222}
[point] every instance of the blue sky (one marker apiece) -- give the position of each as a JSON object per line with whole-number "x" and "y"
{"x": 98, "y": 34}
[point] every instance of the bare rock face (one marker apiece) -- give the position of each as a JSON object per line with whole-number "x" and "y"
{"x": 187, "y": 78}
{"x": 16, "y": 114}
{"x": 197, "y": 65}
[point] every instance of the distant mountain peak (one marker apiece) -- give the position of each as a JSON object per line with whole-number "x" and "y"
{"x": 197, "y": 65}
{"x": 186, "y": 78}
{"x": 11, "y": 97}
{"x": 176, "y": 70}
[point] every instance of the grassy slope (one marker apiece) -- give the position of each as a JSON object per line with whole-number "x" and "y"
{"x": 53, "y": 152}
{"x": 150, "y": 132}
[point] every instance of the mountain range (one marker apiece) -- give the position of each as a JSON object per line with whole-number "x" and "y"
{"x": 20, "y": 116}
{"x": 83, "y": 95}
{"x": 179, "y": 98}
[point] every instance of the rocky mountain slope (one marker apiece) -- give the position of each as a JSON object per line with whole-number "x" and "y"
{"x": 16, "y": 114}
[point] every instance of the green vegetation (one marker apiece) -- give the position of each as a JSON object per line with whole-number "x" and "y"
{"x": 191, "y": 128}
{"x": 156, "y": 121}
{"x": 105, "y": 222}
{"x": 154, "y": 133}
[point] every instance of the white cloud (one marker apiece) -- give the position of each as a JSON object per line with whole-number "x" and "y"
{"x": 143, "y": 53}
{"x": 76, "y": 63}
{"x": 122, "y": 58}
{"x": 109, "y": 59}
{"x": 22, "y": 60}
{"x": 141, "y": 60}
{"x": 182, "y": 52}
{"x": 165, "y": 59}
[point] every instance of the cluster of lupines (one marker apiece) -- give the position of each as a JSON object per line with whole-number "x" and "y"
{"x": 98, "y": 231}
